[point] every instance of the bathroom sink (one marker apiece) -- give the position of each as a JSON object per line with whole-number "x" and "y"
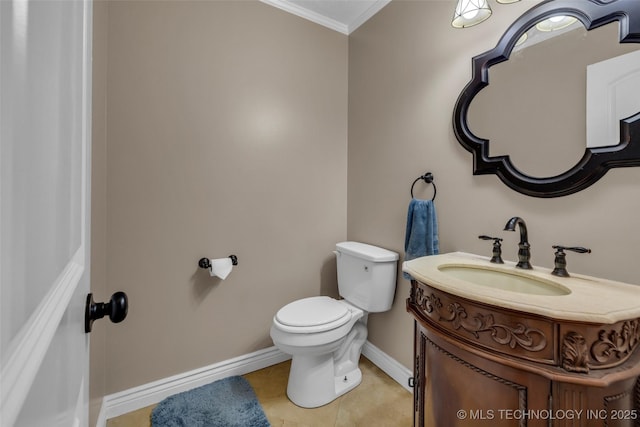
{"x": 504, "y": 280}
{"x": 577, "y": 298}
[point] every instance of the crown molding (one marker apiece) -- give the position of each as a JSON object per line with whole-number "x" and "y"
{"x": 341, "y": 27}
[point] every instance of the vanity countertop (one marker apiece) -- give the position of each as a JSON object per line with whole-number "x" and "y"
{"x": 590, "y": 299}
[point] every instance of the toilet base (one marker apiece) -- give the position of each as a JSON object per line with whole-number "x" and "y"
{"x": 347, "y": 382}
{"x": 313, "y": 383}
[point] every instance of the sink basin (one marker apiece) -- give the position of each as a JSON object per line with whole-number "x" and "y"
{"x": 578, "y": 298}
{"x": 503, "y": 280}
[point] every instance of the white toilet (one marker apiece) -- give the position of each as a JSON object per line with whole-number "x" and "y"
{"x": 324, "y": 335}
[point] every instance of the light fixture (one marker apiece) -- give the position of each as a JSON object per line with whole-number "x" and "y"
{"x": 507, "y": 1}
{"x": 555, "y": 23}
{"x": 523, "y": 38}
{"x": 470, "y": 12}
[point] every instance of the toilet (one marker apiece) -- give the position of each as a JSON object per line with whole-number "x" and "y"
{"x": 324, "y": 335}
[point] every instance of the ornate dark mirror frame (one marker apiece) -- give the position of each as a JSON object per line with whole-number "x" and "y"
{"x": 595, "y": 161}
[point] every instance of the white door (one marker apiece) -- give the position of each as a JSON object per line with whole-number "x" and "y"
{"x": 45, "y": 128}
{"x": 612, "y": 95}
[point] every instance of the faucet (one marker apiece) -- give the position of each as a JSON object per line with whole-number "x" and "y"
{"x": 524, "y": 248}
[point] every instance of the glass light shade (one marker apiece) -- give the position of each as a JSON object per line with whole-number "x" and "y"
{"x": 555, "y": 23}
{"x": 507, "y": 1}
{"x": 523, "y": 38}
{"x": 470, "y": 12}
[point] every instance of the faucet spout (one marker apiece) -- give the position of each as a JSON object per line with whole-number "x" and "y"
{"x": 524, "y": 248}
{"x": 511, "y": 226}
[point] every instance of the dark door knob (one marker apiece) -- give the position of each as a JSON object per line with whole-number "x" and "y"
{"x": 116, "y": 309}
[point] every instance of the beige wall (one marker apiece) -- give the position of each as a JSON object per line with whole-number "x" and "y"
{"x": 97, "y": 361}
{"x": 226, "y": 134}
{"x": 407, "y": 67}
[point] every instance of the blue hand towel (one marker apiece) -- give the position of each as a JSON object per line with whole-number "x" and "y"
{"x": 421, "y": 237}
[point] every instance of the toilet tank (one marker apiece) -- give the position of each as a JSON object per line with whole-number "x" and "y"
{"x": 366, "y": 275}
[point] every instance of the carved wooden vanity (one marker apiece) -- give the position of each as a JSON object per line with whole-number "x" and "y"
{"x": 480, "y": 364}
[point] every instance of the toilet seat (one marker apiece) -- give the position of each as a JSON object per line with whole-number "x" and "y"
{"x": 314, "y": 314}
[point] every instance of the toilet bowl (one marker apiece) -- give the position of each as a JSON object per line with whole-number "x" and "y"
{"x": 324, "y": 335}
{"x": 318, "y": 345}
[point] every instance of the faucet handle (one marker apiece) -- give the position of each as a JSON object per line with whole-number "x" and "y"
{"x": 561, "y": 261}
{"x": 497, "y": 248}
{"x": 578, "y": 249}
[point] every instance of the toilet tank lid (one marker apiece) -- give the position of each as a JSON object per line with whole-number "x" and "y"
{"x": 365, "y": 251}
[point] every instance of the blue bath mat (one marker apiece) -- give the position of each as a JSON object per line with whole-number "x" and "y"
{"x": 230, "y": 402}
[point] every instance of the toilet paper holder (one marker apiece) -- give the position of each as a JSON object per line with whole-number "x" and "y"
{"x": 206, "y": 262}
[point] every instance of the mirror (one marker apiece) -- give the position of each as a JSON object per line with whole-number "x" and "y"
{"x": 545, "y": 125}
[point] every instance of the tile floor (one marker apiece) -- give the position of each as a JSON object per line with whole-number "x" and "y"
{"x": 377, "y": 402}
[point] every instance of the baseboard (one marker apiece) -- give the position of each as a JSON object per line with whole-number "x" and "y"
{"x": 116, "y": 404}
{"x": 389, "y": 365}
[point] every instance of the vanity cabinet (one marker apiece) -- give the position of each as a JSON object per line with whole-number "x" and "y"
{"x": 482, "y": 365}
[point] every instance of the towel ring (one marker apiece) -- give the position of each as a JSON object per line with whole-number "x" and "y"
{"x": 428, "y": 178}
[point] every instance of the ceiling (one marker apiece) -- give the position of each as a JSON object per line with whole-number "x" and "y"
{"x": 343, "y": 16}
